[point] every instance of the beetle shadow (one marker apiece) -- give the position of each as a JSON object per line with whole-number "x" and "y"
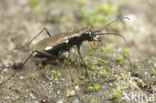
{"x": 49, "y": 61}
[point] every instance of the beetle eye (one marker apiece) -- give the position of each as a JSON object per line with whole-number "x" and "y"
{"x": 89, "y": 33}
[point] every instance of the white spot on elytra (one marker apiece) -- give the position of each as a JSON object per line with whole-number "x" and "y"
{"x": 89, "y": 33}
{"x": 48, "y": 48}
{"x": 34, "y": 54}
{"x": 67, "y": 41}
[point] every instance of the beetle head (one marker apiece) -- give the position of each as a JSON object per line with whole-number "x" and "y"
{"x": 94, "y": 36}
{"x": 91, "y": 35}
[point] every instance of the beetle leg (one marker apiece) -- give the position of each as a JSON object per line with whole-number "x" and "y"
{"x": 69, "y": 54}
{"x": 46, "y": 54}
{"x": 17, "y": 66}
{"x": 79, "y": 52}
{"x": 47, "y": 31}
{"x": 27, "y": 58}
{"x": 39, "y": 34}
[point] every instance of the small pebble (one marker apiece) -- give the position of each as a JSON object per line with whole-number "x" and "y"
{"x": 70, "y": 93}
{"x": 76, "y": 101}
{"x": 60, "y": 101}
{"x": 32, "y": 96}
{"x": 77, "y": 88}
{"x": 7, "y": 63}
{"x": 21, "y": 77}
{"x": 155, "y": 65}
{"x": 58, "y": 92}
{"x": 5, "y": 70}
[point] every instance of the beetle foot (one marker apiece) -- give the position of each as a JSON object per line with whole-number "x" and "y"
{"x": 17, "y": 66}
{"x": 88, "y": 77}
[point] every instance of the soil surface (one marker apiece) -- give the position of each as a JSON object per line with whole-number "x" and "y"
{"x": 121, "y": 72}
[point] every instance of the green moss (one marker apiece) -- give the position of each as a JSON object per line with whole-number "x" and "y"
{"x": 63, "y": 20}
{"x": 33, "y": 2}
{"x": 96, "y": 87}
{"x": 87, "y": 80}
{"x": 121, "y": 74}
{"x": 105, "y": 9}
{"x": 37, "y": 8}
{"x": 109, "y": 49}
{"x": 153, "y": 58}
{"x": 112, "y": 40}
{"x": 101, "y": 63}
{"x": 66, "y": 90}
{"x": 107, "y": 69}
{"x": 154, "y": 73}
{"x": 116, "y": 26}
{"x": 103, "y": 49}
{"x": 92, "y": 101}
{"x": 6, "y": 50}
{"x": 54, "y": 73}
{"x": 123, "y": 85}
{"x": 64, "y": 101}
{"x": 91, "y": 88}
{"x": 96, "y": 16}
{"x": 82, "y": 77}
{"x": 126, "y": 52}
{"x": 120, "y": 61}
{"x": 65, "y": 62}
{"x": 91, "y": 53}
{"x": 59, "y": 79}
{"x": 120, "y": 26}
{"x": 35, "y": 5}
{"x": 87, "y": 64}
{"x": 94, "y": 80}
{"x": 103, "y": 73}
{"x": 81, "y": 2}
{"x": 109, "y": 89}
{"x": 95, "y": 98}
{"x": 57, "y": 75}
{"x": 75, "y": 53}
{"x": 75, "y": 82}
{"x": 94, "y": 74}
{"x": 117, "y": 95}
{"x": 93, "y": 68}
{"x": 98, "y": 20}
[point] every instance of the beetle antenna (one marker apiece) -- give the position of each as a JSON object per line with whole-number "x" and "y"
{"x": 113, "y": 34}
{"x": 119, "y": 19}
{"x": 38, "y": 35}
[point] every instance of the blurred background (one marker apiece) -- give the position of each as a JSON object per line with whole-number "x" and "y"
{"x": 21, "y": 20}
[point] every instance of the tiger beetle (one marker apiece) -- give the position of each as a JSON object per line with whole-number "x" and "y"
{"x": 54, "y": 46}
